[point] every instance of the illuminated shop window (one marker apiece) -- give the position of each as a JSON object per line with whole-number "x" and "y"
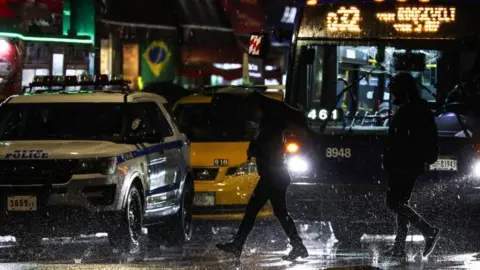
{"x": 28, "y": 74}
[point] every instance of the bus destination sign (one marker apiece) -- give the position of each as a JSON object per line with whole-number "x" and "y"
{"x": 385, "y": 21}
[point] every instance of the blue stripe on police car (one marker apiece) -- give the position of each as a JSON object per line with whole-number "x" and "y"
{"x": 149, "y": 150}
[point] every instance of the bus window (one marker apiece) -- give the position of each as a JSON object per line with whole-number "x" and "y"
{"x": 354, "y": 78}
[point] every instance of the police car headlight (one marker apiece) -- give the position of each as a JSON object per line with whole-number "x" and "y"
{"x": 297, "y": 164}
{"x": 476, "y": 169}
{"x": 248, "y": 167}
{"x": 104, "y": 166}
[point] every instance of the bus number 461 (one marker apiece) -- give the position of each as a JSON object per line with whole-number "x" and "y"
{"x": 323, "y": 114}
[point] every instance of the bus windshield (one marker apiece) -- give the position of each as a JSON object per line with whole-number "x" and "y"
{"x": 342, "y": 83}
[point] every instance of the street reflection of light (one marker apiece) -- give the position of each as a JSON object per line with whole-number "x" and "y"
{"x": 476, "y": 169}
{"x": 410, "y": 238}
{"x": 303, "y": 184}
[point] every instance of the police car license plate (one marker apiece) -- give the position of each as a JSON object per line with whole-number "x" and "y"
{"x": 22, "y": 203}
{"x": 204, "y": 199}
{"x": 444, "y": 164}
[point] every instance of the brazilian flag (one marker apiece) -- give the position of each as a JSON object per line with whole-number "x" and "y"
{"x": 159, "y": 61}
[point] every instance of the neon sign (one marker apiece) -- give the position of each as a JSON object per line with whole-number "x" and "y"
{"x": 418, "y": 19}
{"x": 344, "y": 20}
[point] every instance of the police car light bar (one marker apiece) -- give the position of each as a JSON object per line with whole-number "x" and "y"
{"x": 69, "y": 81}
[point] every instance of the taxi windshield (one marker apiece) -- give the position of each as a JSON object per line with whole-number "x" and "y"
{"x": 198, "y": 123}
{"x": 62, "y": 121}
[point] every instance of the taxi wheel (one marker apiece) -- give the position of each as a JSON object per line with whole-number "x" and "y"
{"x": 347, "y": 232}
{"x": 126, "y": 234}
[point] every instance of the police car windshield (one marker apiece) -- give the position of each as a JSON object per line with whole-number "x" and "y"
{"x": 365, "y": 71}
{"x": 61, "y": 121}
{"x": 198, "y": 123}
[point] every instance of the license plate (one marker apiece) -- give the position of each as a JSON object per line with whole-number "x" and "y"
{"x": 220, "y": 162}
{"x": 444, "y": 164}
{"x": 22, "y": 203}
{"x": 204, "y": 199}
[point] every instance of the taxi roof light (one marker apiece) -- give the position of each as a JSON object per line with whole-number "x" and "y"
{"x": 312, "y": 2}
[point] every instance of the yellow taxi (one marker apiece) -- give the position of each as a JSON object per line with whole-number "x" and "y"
{"x": 224, "y": 179}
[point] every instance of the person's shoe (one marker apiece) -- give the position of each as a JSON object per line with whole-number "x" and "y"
{"x": 297, "y": 251}
{"x": 430, "y": 241}
{"x": 232, "y": 248}
{"x": 396, "y": 252}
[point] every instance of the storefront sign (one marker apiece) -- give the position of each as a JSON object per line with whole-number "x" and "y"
{"x": 256, "y": 70}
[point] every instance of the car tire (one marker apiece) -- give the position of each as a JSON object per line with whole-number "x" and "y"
{"x": 347, "y": 232}
{"x": 178, "y": 228}
{"x": 126, "y": 234}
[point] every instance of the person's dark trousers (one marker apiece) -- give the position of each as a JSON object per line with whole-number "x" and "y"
{"x": 400, "y": 188}
{"x": 263, "y": 192}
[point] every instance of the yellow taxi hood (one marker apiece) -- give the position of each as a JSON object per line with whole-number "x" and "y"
{"x": 203, "y": 154}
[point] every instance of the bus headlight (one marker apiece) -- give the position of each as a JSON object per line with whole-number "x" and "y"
{"x": 297, "y": 165}
{"x": 476, "y": 169}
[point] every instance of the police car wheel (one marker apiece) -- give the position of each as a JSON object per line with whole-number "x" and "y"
{"x": 182, "y": 221}
{"x": 347, "y": 232}
{"x": 126, "y": 235}
{"x": 177, "y": 229}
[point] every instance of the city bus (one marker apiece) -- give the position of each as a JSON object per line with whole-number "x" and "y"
{"x": 343, "y": 55}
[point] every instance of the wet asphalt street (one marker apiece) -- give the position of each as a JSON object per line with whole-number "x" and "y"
{"x": 264, "y": 250}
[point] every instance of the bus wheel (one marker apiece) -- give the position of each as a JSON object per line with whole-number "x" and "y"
{"x": 347, "y": 232}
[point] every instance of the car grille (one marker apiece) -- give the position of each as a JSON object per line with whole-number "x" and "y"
{"x": 35, "y": 172}
{"x": 205, "y": 174}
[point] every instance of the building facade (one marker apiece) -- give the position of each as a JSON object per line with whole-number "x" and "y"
{"x": 189, "y": 42}
{"x": 44, "y": 37}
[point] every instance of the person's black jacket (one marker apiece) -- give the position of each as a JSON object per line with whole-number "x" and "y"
{"x": 268, "y": 149}
{"x": 411, "y": 136}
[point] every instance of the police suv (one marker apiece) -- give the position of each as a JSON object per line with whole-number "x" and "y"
{"x": 85, "y": 161}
